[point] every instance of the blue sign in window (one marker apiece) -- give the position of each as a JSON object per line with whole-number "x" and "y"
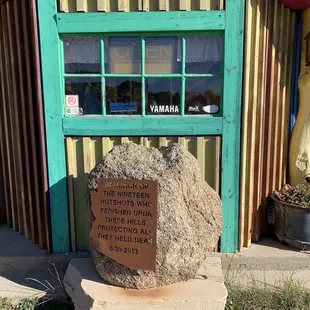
{"x": 120, "y": 107}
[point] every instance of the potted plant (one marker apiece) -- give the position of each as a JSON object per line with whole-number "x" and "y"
{"x": 292, "y": 215}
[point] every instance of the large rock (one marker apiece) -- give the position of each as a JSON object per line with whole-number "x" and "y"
{"x": 189, "y": 213}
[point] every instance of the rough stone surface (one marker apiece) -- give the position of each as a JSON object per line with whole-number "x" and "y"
{"x": 87, "y": 291}
{"x": 189, "y": 213}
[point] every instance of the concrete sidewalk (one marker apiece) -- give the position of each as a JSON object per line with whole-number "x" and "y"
{"x": 26, "y": 271}
{"x": 267, "y": 262}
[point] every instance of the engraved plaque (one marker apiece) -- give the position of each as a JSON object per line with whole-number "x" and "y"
{"x": 125, "y": 222}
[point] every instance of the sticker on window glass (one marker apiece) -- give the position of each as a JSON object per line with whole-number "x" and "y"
{"x": 203, "y": 95}
{"x": 211, "y": 109}
{"x": 87, "y": 92}
{"x": 167, "y": 109}
{"x": 72, "y": 104}
{"x": 163, "y": 96}
{"x": 123, "y": 107}
{"x": 123, "y": 96}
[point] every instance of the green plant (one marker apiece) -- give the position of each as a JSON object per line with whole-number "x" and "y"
{"x": 5, "y": 304}
{"x": 290, "y": 296}
{"x": 24, "y": 304}
{"x": 27, "y": 304}
{"x": 36, "y": 304}
{"x": 296, "y": 195}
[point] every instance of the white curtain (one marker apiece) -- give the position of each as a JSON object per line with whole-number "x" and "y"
{"x": 198, "y": 49}
{"x": 201, "y": 49}
{"x": 85, "y": 50}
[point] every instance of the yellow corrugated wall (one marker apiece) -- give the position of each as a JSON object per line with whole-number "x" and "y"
{"x": 269, "y": 35}
{"x": 138, "y": 5}
{"x": 84, "y": 153}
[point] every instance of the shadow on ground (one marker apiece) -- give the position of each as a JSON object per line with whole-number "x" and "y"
{"x": 26, "y": 271}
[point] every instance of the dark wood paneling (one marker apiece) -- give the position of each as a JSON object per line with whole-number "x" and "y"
{"x": 22, "y": 137}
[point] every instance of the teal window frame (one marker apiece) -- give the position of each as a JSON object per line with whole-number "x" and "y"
{"x": 53, "y": 25}
{"x": 183, "y": 76}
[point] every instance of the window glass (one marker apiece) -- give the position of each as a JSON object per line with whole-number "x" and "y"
{"x": 161, "y": 55}
{"x": 82, "y": 54}
{"x": 123, "y": 55}
{"x": 87, "y": 92}
{"x": 163, "y": 96}
{"x": 118, "y": 82}
{"x": 204, "y": 55}
{"x": 123, "y": 95}
{"x": 203, "y": 95}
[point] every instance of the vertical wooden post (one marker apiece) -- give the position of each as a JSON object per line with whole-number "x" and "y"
{"x": 163, "y": 5}
{"x": 81, "y": 5}
{"x": 72, "y": 175}
{"x": 63, "y": 6}
{"x": 51, "y": 76}
{"x": 204, "y": 5}
{"x": 233, "y": 59}
{"x": 220, "y": 4}
{"x": 140, "y": 5}
{"x": 146, "y": 5}
{"x": 184, "y": 5}
{"x": 123, "y": 5}
{"x": 102, "y": 6}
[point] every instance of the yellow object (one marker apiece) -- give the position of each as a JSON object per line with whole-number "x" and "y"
{"x": 300, "y": 141}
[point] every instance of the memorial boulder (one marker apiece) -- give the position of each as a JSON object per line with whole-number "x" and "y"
{"x": 153, "y": 218}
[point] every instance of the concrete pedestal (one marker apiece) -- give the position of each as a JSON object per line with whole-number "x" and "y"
{"x": 88, "y": 291}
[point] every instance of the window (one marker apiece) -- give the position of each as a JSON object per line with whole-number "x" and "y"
{"x": 149, "y": 75}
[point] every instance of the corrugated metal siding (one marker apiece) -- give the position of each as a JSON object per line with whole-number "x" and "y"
{"x": 84, "y": 153}
{"x": 267, "y": 78}
{"x": 21, "y": 123}
{"x": 138, "y": 5}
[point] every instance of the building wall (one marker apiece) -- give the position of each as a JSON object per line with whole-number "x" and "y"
{"x": 84, "y": 153}
{"x": 269, "y": 44}
{"x": 138, "y": 5}
{"x": 22, "y": 139}
{"x": 267, "y": 78}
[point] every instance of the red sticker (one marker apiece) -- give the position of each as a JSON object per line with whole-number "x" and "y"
{"x": 72, "y": 101}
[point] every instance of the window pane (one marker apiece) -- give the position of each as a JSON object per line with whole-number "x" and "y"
{"x": 82, "y": 54}
{"x": 123, "y": 55}
{"x": 163, "y": 96}
{"x": 123, "y": 96}
{"x": 204, "y": 55}
{"x": 88, "y": 91}
{"x": 203, "y": 95}
{"x": 162, "y": 55}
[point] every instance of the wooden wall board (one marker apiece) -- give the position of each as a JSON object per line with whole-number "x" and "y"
{"x": 267, "y": 79}
{"x": 22, "y": 134}
{"x": 138, "y": 5}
